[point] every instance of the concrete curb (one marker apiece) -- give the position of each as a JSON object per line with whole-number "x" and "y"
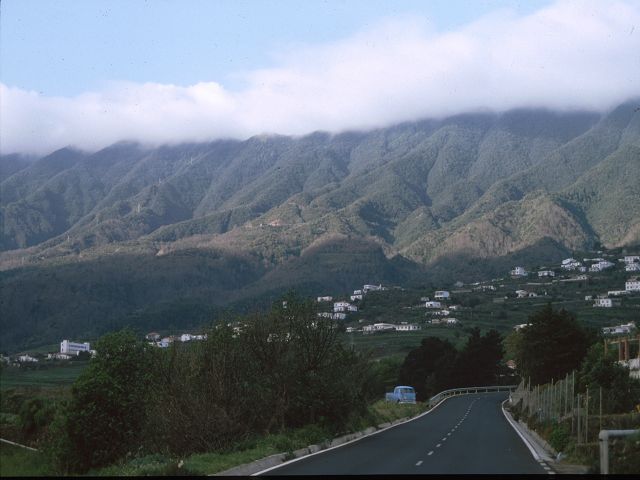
{"x": 545, "y": 452}
{"x": 274, "y": 460}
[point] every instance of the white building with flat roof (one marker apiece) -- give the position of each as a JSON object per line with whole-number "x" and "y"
{"x": 632, "y": 285}
{"x": 519, "y": 272}
{"x": 73, "y": 348}
{"x": 408, "y": 327}
{"x": 441, "y": 295}
{"x": 432, "y": 304}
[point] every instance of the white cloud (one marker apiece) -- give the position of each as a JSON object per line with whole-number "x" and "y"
{"x": 571, "y": 55}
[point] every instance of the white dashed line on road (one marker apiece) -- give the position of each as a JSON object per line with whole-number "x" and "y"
{"x": 438, "y": 445}
{"x": 419, "y": 463}
{"x": 430, "y": 453}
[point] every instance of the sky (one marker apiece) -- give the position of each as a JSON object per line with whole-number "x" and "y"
{"x": 91, "y": 73}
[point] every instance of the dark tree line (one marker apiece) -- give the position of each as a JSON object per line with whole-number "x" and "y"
{"x": 436, "y": 365}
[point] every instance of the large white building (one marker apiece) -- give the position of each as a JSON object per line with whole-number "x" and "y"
{"x": 72, "y": 348}
{"x": 432, "y": 304}
{"x": 441, "y": 295}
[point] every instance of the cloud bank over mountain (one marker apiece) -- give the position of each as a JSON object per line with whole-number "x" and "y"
{"x": 570, "y": 55}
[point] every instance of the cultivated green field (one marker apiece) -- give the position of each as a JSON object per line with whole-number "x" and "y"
{"x": 43, "y": 376}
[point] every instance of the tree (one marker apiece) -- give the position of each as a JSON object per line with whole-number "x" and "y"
{"x": 620, "y": 393}
{"x": 479, "y": 361}
{"x": 107, "y": 410}
{"x": 552, "y": 345}
{"x": 428, "y": 367}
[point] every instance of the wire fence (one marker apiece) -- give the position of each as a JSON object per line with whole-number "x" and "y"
{"x": 584, "y": 413}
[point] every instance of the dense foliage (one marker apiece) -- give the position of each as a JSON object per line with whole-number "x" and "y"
{"x": 277, "y": 371}
{"x": 552, "y": 345}
{"x": 108, "y": 408}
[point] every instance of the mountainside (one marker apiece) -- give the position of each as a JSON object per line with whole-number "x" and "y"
{"x": 417, "y": 201}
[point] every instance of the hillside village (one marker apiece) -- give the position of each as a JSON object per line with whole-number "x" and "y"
{"x": 604, "y": 292}
{"x": 448, "y": 306}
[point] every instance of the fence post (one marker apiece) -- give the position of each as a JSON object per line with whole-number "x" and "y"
{"x": 586, "y": 420}
{"x": 600, "y": 408}
{"x": 578, "y": 426}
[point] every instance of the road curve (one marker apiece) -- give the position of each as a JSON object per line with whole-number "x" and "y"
{"x": 465, "y": 434}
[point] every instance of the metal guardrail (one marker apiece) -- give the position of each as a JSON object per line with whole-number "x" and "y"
{"x": 468, "y": 390}
{"x": 604, "y": 437}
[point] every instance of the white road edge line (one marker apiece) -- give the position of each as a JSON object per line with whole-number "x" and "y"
{"x": 351, "y": 441}
{"x": 526, "y": 442}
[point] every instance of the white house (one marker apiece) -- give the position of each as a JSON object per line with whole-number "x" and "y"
{"x": 356, "y": 296}
{"x": 441, "y": 313}
{"x": 619, "y": 329}
{"x": 441, "y": 295}
{"x": 629, "y": 259}
{"x": 632, "y": 267}
{"x": 26, "y": 358}
{"x": 339, "y": 316}
{"x": 152, "y": 336}
{"x": 372, "y": 288}
{"x": 325, "y": 299}
{"x": 519, "y": 272}
{"x": 632, "y": 285}
{"x": 58, "y": 356}
{"x": 600, "y": 266}
{"x": 344, "y": 307}
{"x": 357, "y": 292}
{"x": 588, "y": 297}
{"x": 73, "y": 348}
{"x": 432, "y": 304}
{"x": 351, "y": 329}
{"x": 450, "y": 320}
{"x": 408, "y": 327}
{"x": 617, "y": 293}
{"x": 606, "y": 302}
{"x": 186, "y": 337}
{"x": 521, "y": 326}
{"x": 546, "y": 273}
{"x": 570, "y": 264}
{"x": 378, "y": 327}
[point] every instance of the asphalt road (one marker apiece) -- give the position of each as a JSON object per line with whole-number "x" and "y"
{"x": 465, "y": 434}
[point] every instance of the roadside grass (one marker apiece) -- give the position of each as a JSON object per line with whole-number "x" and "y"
{"x": 20, "y": 462}
{"x": 256, "y": 448}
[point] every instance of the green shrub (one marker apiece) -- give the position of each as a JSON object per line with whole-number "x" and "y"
{"x": 559, "y": 437}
